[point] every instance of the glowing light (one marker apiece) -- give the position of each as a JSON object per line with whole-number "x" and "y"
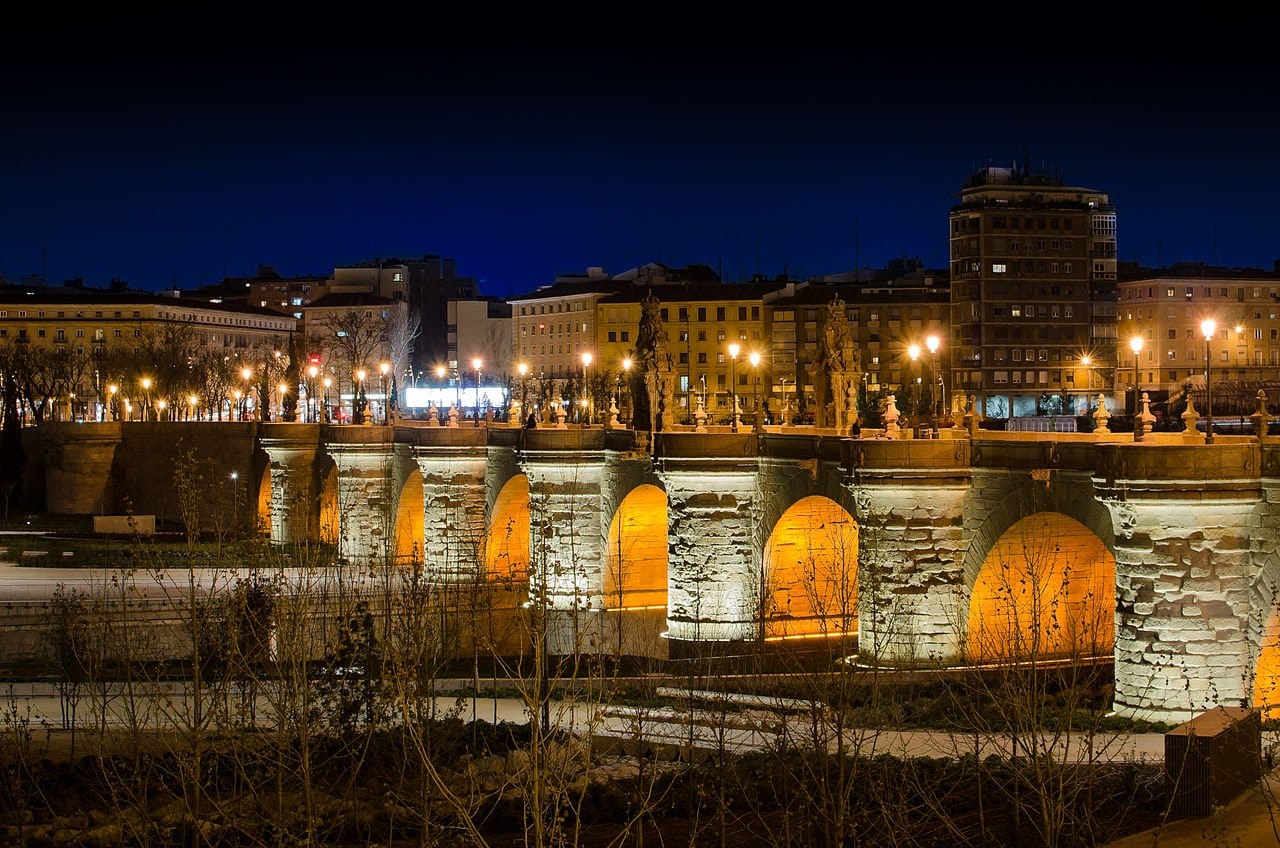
{"x": 754, "y": 359}
{"x": 1208, "y": 327}
{"x": 384, "y": 368}
{"x": 586, "y": 358}
{"x": 1135, "y": 344}
{"x": 932, "y": 343}
{"x": 914, "y": 352}
{"x": 733, "y": 350}
{"x": 523, "y": 368}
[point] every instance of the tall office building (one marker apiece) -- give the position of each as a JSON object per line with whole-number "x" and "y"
{"x": 1033, "y": 304}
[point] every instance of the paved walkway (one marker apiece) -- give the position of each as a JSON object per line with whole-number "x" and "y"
{"x": 1251, "y": 821}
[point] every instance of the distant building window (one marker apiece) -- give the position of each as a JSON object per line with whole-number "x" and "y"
{"x": 999, "y": 268}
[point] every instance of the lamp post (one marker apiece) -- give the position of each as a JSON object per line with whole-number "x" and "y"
{"x": 324, "y": 401}
{"x": 914, "y": 352}
{"x": 1207, "y": 328}
{"x": 111, "y": 399}
{"x": 193, "y": 401}
{"x": 1135, "y": 345}
{"x": 733, "y": 387}
{"x": 247, "y": 374}
{"x": 586, "y": 392}
{"x": 358, "y": 403}
{"x": 785, "y": 408}
{"x": 935, "y": 380}
{"x": 146, "y": 396}
{"x": 284, "y": 389}
{"x": 626, "y": 377}
{"x": 754, "y": 359}
{"x": 1087, "y": 362}
{"x": 383, "y": 368}
{"x": 523, "y": 370}
{"x": 239, "y": 413}
{"x": 311, "y": 394}
{"x": 161, "y": 405}
{"x": 477, "y": 364}
{"x": 235, "y": 499}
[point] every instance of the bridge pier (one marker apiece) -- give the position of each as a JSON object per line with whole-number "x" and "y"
{"x": 78, "y": 468}
{"x": 714, "y": 561}
{"x": 453, "y": 483}
{"x": 567, "y": 531}
{"x": 295, "y": 508}
{"x": 365, "y": 458}
{"x": 911, "y": 543}
{"x": 1182, "y": 575}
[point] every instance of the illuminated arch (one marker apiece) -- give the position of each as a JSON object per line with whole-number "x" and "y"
{"x": 409, "y": 533}
{"x": 1047, "y": 588}
{"x": 1266, "y": 674}
{"x": 811, "y": 571}
{"x": 506, "y": 554}
{"x": 263, "y": 512}
{"x": 635, "y": 574}
{"x": 330, "y": 521}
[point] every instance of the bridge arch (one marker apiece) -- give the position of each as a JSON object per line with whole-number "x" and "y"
{"x": 506, "y": 554}
{"x": 262, "y": 502}
{"x": 635, "y": 567}
{"x": 329, "y": 518}
{"x": 1009, "y": 497}
{"x": 1046, "y": 588}
{"x": 408, "y": 532}
{"x": 810, "y": 571}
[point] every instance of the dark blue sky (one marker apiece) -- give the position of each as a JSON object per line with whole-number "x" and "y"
{"x": 532, "y": 150}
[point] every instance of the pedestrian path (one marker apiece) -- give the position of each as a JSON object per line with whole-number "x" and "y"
{"x": 1251, "y": 821}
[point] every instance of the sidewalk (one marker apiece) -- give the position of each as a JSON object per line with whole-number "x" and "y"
{"x": 1251, "y": 821}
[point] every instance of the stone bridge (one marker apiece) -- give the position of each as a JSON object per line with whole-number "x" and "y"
{"x": 977, "y": 545}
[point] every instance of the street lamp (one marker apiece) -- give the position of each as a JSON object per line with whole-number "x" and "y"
{"x": 477, "y": 364}
{"x": 626, "y": 376}
{"x": 358, "y": 405}
{"x": 383, "y": 368}
{"x": 160, "y": 407}
{"x": 284, "y": 388}
{"x": 1207, "y": 328}
{"x": 239, "y": 412}
{"x": 914, "y": 352}
{"x": 111, "y": 399}
{"x": 523, "y": 370}
{"x": 1087, "y": 362}
{"x": 324, "y": 401}
{"x": 311, "y": 394}
{"x": 754, "y": 359}
{"x": 146, "y": 396}
{"x": 586, "y": 393}
{"x": 1135, "y": 345}
{"x": 193, "y": 401}
{"x": 247, "y": 374}
{"x": 733, "y": 387}
{"x": 935, "y": 380}
{"x": 235, "y": 499}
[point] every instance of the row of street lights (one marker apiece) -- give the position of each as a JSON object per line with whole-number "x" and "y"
{"x": 1207, "y": 328}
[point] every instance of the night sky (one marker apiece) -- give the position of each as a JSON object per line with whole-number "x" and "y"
{"x": 183, "y": 154}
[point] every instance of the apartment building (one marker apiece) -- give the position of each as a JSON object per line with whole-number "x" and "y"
{"x": 1033, "y": 274}
{"x": 1166, "y": 310}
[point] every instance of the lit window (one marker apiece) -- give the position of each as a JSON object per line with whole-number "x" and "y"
{"x": 998, "y": 268}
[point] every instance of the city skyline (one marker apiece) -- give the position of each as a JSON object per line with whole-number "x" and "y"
{"x": 167, "y": 167}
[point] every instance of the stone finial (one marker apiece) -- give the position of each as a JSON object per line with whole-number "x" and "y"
{"x": 1144, "y": 420}
{"x": 1261, "y": 417}
{"x": 453, "y": 416}
{"x": 558, "y": 413}
{"x": 1190, "y": 417}
{"x": 433, "y": 416}
{"x": 513, "y": 413}
{"x": 891, "y": 416}
{"x": 700, "y": 417}
{"x": 972, "y": 417}
{"x": 737, "y": 413}
{"x": 612, "y": 421}
{"x": 1100, "y": 417}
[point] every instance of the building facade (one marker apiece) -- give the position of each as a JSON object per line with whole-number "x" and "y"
{"x": 1033, "y": 273}
{"x": 1165, "y": 310}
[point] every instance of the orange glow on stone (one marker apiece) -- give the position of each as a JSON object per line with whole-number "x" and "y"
{"x": 636, "y": 556}
{"x": 506, "y": 552}
{"x": 1266, "y": 674}
{"x": 410, "y": 519}
{"x": 1046, "y": 589}
{"x": 811, "y": 571}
